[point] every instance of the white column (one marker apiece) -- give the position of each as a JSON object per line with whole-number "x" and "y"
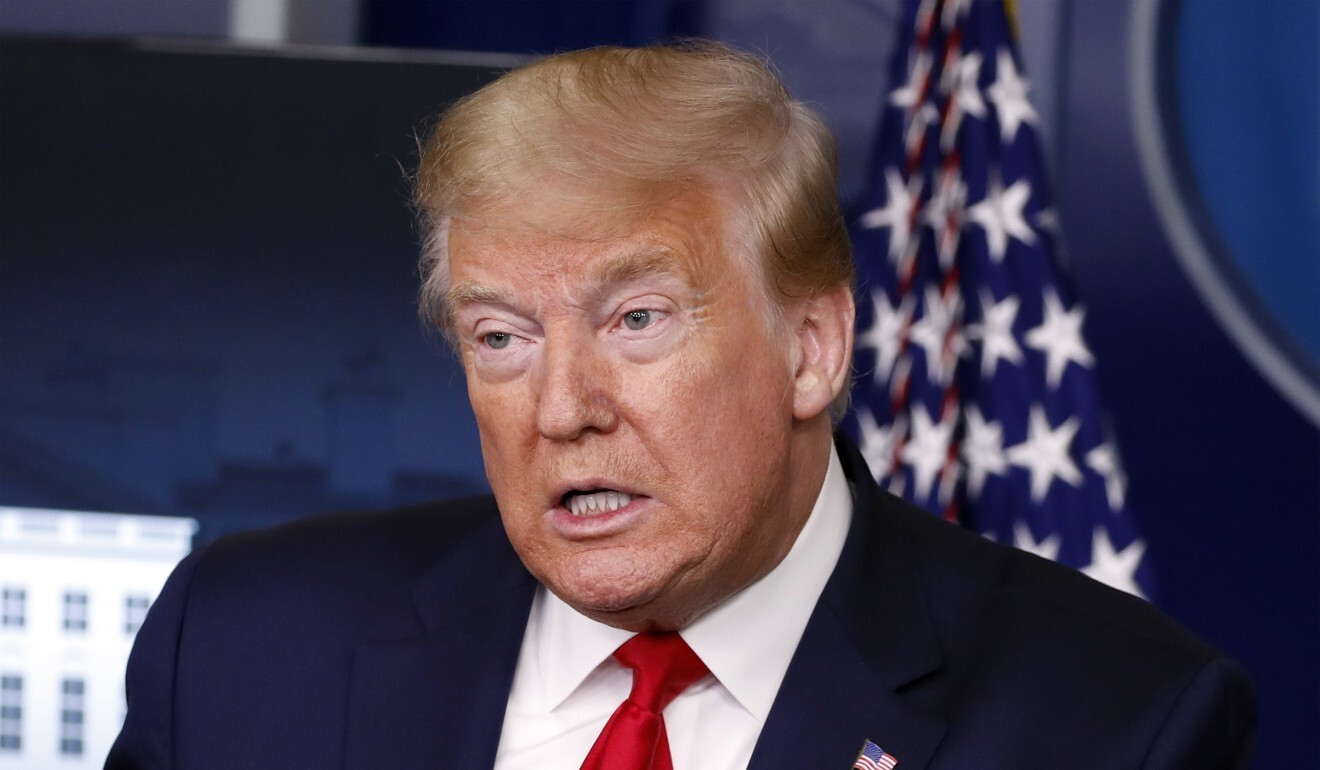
{"x": 259, "y": 21}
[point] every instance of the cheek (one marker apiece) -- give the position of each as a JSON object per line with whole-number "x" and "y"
{"x": 500, "y": 407}
{"x": 723, "y": 415}
{"x": 503, "y": 421}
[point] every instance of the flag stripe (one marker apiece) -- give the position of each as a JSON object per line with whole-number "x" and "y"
{"x": 977, "y": 398}
{"x": 872, "y": 757}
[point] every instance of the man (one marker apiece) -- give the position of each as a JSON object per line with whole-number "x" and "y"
{"x": 639, "y": 258}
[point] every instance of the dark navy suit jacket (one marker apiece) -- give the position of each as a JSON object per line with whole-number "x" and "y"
{"x": 389, "y": 640}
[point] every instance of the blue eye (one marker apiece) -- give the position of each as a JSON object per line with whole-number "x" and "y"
{"x": 638, "y": 320}
{"x": 498, "y": 340}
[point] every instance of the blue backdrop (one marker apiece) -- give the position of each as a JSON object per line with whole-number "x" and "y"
{"x": 206, "y": 281}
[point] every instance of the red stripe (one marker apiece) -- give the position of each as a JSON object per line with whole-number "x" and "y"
{"x": 947, "y": 233}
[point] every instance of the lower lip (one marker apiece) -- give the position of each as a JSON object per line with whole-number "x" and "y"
{"x": 597, "y": 525}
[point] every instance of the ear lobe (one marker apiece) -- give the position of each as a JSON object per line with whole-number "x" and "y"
{"x": 825, "y": 342}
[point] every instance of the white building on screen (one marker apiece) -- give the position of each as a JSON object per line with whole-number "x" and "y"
{"x": 74, "y": 588}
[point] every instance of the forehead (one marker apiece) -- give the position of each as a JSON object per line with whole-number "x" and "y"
{"x": 547, "y": 238}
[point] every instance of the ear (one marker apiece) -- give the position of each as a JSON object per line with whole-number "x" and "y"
{"x": 824, "y": 342}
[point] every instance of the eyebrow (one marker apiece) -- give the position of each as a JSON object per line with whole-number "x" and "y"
{"x": 634, "y": 265}
{"x": 628, "y": 267}
{"x": 468, "y": 293}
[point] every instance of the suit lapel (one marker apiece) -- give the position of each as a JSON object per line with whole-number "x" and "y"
{"x": 438, "y": 699}
{"x": 870, "y": 634}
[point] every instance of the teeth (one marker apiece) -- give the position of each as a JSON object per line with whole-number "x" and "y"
{"x": 597, "y": 502}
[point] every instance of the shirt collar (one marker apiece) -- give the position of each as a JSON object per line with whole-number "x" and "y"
{"x": 746, "y": 646}
{"x": 570, "y": 646}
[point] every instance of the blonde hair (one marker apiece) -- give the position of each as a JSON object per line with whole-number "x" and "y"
{"x": 640, "y": 120}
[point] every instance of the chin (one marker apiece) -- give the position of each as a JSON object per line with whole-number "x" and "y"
{"x": 613, "y": 590}
{"x": 604, "y": 597}
{"x": 645, "y": 616}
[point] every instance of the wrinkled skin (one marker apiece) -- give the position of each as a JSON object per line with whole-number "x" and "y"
{"x": 630, "y": 352}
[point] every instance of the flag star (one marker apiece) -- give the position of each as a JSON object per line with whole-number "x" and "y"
{"x": 1104, "y": 461}
{"x": 946, "y": 205}
{"x": 923, "y": 117}
{"x": 1116, "y": 569}
{"x": 885, "y": 334}
{"x": 938, "y": 334}
{"x": 1025, "y": 541}
{"x": 913, "y": 98}
{"x": 996, "y": 333}
{"x": 877, "y": 443}
{"x": 908, "y": 94}
{"x": 1045, "y": 453}
{"x": 1009, "y": 93}
{"x": 1000, "y": 214}
{"x": 1059, "y": 337}
{"x": 896, "y": 213}
{"x": 927, "y": 451}
{"x": 944, "y": 214}
{"x": 961, "y": 77}
{"x": 967, "y": 92}
{"x": 982, "y": 450}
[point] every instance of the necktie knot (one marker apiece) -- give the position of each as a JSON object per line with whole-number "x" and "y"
{"x": 635, "y": 738}
{"x": 663, "y": 667}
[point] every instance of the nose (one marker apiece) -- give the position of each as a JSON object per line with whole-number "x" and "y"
{"x": 575, "y": 391}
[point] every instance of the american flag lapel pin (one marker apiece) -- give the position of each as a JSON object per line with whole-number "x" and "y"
{"x": 872, "y": 757}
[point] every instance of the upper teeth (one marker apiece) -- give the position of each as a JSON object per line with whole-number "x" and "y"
{"x": 597, "y": 502}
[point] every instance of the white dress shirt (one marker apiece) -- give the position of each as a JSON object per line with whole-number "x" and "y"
{"x": 567, "y": 684}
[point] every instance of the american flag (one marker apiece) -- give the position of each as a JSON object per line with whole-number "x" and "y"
{"x": 872, "y": 757}
{"x": 975, "y": 396}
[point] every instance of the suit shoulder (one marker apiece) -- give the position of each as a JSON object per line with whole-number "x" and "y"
{"x": 348, "y": 558}
{"x": 965, "y": 569}
{"x": 1031, "y": 637}
{"x": 424, "y": 529}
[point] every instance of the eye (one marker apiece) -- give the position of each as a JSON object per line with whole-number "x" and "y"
{"x": 637, "y": 320}
{"x": 497, "y": 340}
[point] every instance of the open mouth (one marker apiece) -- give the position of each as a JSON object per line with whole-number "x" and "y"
{"x": 595, "y": 502}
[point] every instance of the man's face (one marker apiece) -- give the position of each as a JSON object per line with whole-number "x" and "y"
{"x": 635, "y": 405}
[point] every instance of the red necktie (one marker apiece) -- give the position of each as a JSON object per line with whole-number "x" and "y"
{"x": 634, "y": 738}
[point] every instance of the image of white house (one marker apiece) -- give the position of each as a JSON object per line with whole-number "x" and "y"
{"x": 74, "y": 589}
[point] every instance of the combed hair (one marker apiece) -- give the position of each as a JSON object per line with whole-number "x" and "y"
{"x": 640, "y": 120}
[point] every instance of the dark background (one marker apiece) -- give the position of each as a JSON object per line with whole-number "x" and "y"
{"x": 207, "y": 272}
